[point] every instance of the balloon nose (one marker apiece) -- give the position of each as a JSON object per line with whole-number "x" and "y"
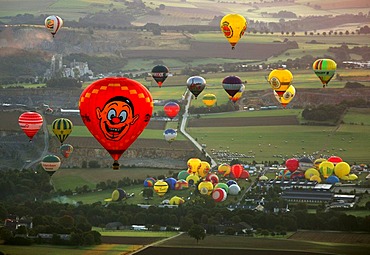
{"x": 116, "y": 120}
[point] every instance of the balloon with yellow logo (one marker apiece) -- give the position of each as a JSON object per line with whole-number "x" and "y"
{"x": 209, "y": 100}
{"x": 288, "y": 96}
{"x": 224, "y": 169}
{"x": 160, "y": 187}
{"x": 233, "y": 27}
{"x": 204, "y": 169}
{"x": 326, "y": 168}
{"x": 280, "y": 79}
{"x": 324, "y": 69}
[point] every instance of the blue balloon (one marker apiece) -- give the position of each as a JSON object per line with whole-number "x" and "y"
{"x": 332, "y": 179}
{"x": 231, "y": 182}
{"x": 171, "y": 182}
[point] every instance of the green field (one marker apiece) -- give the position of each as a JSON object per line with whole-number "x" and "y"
{"x": 103, "y": 249}
{"x": 133, "y": 233}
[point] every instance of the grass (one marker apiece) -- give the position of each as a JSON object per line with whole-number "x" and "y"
{"x": 133, "y": 233}
{"x": 275, "y": 244}
{"x": 103, "y": 249}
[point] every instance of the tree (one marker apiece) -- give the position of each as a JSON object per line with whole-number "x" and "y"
{"x": 197, "y": 232}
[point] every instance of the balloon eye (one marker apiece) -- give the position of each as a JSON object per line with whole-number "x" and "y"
{"x": 275, "y": 83}
{"x": 111, "y": 114}
{"x": 123, "y": 116}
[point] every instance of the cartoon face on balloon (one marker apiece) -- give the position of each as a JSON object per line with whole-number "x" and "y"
{"x": 116, "y": 117}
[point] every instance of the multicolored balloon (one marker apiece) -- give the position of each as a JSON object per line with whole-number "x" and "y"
{"x": 62, "y": 128}
{"x": 219, "y": 195}
{"x": 53, "y": 23}
{"x": 160, "y": 74}
{"x": 232, "y": 85}
{"x": 280, "y": 79}
{"x": 324, "y": 69}
{"x": 204, "y": 169}
{"x": 66, "y": 150}
{"x": 170, "y": 135}
{"x": 171, "y": 109}
{"x": 209, "y": 100}
{"x": 196, "y": 85}
{"x": 50, "y": 163}
{"x": 233, "y": 27}
{"x": 30, "y": 123}
{"x": 224, "y": 169}
{"x": 238, "y": 95}
{"x": 116, "y": 110}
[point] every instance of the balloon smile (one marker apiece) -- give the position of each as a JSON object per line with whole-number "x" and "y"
{"x": 114, "y": 132}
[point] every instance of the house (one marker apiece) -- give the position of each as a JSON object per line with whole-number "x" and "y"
{"x": 138, "y": 228}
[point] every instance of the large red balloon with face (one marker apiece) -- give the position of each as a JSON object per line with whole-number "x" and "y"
{"x": 30, "y": 123}
{"x": 116, "y": 111}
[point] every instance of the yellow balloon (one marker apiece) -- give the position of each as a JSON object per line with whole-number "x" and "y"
{"x": 280, "y": 79}
{"x": 342, "y": 169}
{"x": 209, "y": 100}
{"x": 233, "y": 27}
{"x": 176, "y": 200}
{"x": 288, "y": 96}
{"x": 160, "y": 187}
{"x": 315, "y": 178}
{"x": 352, "y": 177}
{"x": 326, "y": 168}
{"x": 62, "y": 128}
{"x": 205, "y": 188}
{"x": 194, "y": 165}
{"x": 311, "y": 172}
{"x": 318, "y": 161}
{"x": 204, "y": 169}
{"x": 224, "y": 169}
{"x": 192, "y": 179}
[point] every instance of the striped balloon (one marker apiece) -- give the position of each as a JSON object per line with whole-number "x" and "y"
{"x": 53, "y": 24}
{"x": 232, "y": 85}
{"x": 62, "y": 127}
{"x": 30, "y": 123}
{"x": 325, "y": 70}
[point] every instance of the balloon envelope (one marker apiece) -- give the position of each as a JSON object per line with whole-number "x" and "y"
{"x": 62, "y": 128}
{"x": 342, "y": 169}
{"x": 66, "y": 150}
{"x": 160, "y": 74}
{"x": 170, "y": 135}
{"x": 171, "y": 109}
{"x": 287, "y": 96}
{"x": 224, "y": 169}
{"x": 234, "y": 189}
{"x": 193, "y": 165}
{"x": 237, "y": 170}
{"x": 53, "y": 23}
{"x": 219, "y": 195}
{"x": 196, "y": 85}
{"x": 51, "y": 164}
{"x": 233, "y": 27}
{"x": 205, "y": 188}
{"x": 280, "y": 79}
{"x": 326, "y": 168}
{"x": 324, "y": 69}
{"x": 232, "y": 85}
{"x": 332, "y": 179}
{"x": 292, "y": 164}
{"x": 160, "y": 187}
{"x": 209, "y": 100}
{"x": 116, "y": 111}
{"x": 30, "y": 123}
{"x": 204, "y": 169}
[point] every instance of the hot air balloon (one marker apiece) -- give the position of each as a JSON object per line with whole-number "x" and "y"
{"x": 326, "y": 168}
{"x": 204, "y": 169}
{"x": 181, "y": 184}
{"x": 234, "y": 189}
{"x": 280, "y": 79}
{"x": 159, "y": 74}
{"x": 292, "y": 164}
{"x": 342, "y": 169}
{"x": 238, "y": 95}
{"x": 332, "y": 179}
{"x": 117, "y": 195}
{"x": 233, "y": 27}
{"x": 335, "y": 159}
{"x": 171, "y": 109}
{"x": 53, "y": 23}
{"x": 325, "y": 70}
{"x": 196, "y": 85}
{"x": 149, "y": 182}
{"x": 310, "y": 172}
{"x": 193, "y": 165}
{"x": 224, "y": 169}
{"x": 62, "y": 128}
{"x": 222, "y": 186}
{"x": 237, "y": 170}
{"x": 51, "y": 164}
{"x": 209, "y": 100}
{"x": 170, "y": 135}
{"x": 171, "y": 182}
{"x": 213, "y": 178}
{"x": 182, "y": 175}
{"x": 318, "y": 161}
{"x": 176, "y": 200}
{"x": 192, "y": 179}
{"x": 205, "y": 187}
{"x": 160, "y": 187}
{"x": 219, "y": 195}
{"x": 284, "y": 174}
{"x": 66, "y": 150}
{"x": 231, "y": 182}
{"x": 232, "y": 85}
{"x": 288, "y": 96}
{"x": 116, "y": 111}
{"x": 30, "y": 123}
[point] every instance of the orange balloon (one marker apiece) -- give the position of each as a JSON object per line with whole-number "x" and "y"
{"x": 116, "y": 111}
